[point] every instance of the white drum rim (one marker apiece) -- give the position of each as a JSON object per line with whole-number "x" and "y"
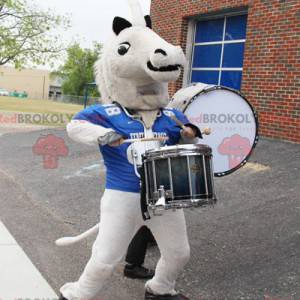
{"x": 221, "y": 87}
{"x": 179, "y": 149}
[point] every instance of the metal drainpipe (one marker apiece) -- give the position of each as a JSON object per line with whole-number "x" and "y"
{"x": 85, "y": 95}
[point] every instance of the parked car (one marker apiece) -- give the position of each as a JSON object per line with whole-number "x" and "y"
{"x": 17, "y": 94}
{"x": 4, "y": 92}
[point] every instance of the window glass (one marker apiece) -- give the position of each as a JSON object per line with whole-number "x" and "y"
{"x": 231, "y": 79}
{"x": 209, "y": 31}
{"x": 219, "y": 51}
{"x": 210, "y": 77}
{"x": 236, "y": 28}
{"x": 233, "y": 55}
{"x": 207, "y": 56}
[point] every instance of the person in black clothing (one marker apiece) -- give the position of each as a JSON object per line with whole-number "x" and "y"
{"x": 136, "y": 255}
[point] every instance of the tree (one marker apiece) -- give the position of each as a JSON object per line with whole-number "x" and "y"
{"x": 26, "y": 33}
{"x": 79, "y": 69}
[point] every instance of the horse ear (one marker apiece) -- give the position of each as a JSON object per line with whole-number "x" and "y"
{"x": 148, "y": 21}
{"x": 120, "y": 24}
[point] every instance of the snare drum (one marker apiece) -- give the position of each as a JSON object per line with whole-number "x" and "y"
{"x": 179, "y": 177}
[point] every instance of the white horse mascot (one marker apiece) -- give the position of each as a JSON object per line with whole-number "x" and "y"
{"x": 132, "y": 74}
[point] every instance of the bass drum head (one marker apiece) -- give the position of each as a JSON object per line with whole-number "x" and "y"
{"x": 232, "y": 120}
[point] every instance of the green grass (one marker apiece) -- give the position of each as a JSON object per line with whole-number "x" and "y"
{"x": 10, "y": 104}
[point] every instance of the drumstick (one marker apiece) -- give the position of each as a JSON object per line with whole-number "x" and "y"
{"x": 206, "y": 130}
{"x": 160, "y": 139}
{"x": 178, "y": 122}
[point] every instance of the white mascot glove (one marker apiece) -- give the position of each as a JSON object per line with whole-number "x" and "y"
{"x": 109, "y": 138}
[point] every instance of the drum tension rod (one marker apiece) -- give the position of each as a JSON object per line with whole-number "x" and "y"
{"x": 161, "y": 202}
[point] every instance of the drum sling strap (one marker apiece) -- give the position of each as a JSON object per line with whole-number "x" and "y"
{"x": 144, "y": 207}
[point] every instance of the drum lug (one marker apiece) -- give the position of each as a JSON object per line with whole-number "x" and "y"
{"x": 160, "y": 197}
{"x": 168, "y": 194}
{"x": 161, "y": 202}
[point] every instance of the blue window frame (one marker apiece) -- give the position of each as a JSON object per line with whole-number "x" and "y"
{"x": 219, "y": 51}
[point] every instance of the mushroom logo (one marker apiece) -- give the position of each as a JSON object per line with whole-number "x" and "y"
{"x": 51, "y": 148}
{"x": 236, "y": 148}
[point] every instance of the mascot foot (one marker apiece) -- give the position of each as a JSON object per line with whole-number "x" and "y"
{"x": 150, "y": 296}
{"x": 138, "y": 272}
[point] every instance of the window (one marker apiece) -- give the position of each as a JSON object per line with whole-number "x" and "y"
{"x": 219, "y": 51}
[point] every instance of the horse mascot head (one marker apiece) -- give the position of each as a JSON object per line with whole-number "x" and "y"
{"x": 137, "y": 64}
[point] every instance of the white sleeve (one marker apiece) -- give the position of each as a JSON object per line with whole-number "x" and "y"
{"x": 86, "y": 132}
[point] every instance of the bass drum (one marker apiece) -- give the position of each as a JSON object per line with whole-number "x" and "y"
{"x": 231, "y": 118}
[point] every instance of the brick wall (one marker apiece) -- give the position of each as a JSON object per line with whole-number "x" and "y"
{"x": 271, "y": 74}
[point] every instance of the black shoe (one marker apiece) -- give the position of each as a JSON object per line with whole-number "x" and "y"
{"x": 150, "y": 296}
{"x": 152, "y": 244}
{"x": 152, "y": 241}
{"x": 138, "y": 272}
{"x": 61, "y": 297}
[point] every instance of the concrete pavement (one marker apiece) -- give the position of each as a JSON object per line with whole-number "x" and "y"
{"x": 18, "y": 276}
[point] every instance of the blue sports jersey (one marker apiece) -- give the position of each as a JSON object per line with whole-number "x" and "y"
{"x": 121, "y": 173}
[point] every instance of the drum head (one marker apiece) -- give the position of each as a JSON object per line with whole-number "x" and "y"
{"x": 233, "y": 124}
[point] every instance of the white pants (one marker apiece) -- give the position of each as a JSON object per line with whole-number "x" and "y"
{"x": 120, "y": 219}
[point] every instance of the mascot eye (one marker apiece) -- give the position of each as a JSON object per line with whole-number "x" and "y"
{"x": 123, "y": 48}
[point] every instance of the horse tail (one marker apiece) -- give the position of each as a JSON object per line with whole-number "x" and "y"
{"x": 69, "y": 240}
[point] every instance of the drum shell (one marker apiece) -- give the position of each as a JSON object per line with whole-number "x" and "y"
{"x": 185, "y": 172}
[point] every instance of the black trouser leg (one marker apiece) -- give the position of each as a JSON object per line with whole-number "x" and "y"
{"x": 137, "y": 249}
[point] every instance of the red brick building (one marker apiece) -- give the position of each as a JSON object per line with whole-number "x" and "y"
{"x": 262, "y": 42}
